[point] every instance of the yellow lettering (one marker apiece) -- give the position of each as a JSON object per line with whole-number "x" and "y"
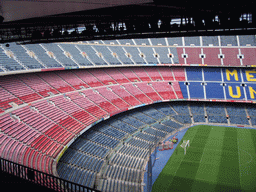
{"x": 249, "y": 75}
{"x": 252, "y": 92}
{"x": 238, "y": 91}
{"x": 233, "y": 73}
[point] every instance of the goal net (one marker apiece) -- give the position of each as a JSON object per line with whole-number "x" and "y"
{"x": 184, "y": 145}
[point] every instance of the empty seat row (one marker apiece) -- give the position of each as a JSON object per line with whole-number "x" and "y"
{"x": 110, "y": 185}
{"x": 123, "y": 173}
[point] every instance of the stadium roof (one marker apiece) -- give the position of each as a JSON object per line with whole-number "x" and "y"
{"x": 25, "y": 20}
{"x": 24, "y": 11}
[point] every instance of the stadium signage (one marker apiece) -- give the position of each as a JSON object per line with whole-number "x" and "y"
{"x": 244, "y": 76}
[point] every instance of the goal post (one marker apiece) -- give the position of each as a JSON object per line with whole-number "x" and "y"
{"x": 184, "y": 145}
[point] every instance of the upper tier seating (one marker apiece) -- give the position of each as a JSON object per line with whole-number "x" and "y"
{"x": 149, "y": 55}
{"x": 8, "y": 62}
{"x": 212, "y": 51}
{"x": 76, "y": 54}
{"x": 108, "y": 55}
{"x": 136, "y": 55}
{"x": 41, "y": 55}
{"x": 22, "y": 55}
{"x": 121, "y": 54}
{"x": 92, "y": 54}
{"x": 59, "y": 54}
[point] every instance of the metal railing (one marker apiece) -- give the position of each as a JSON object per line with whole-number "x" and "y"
{"x": 40, "y": 178}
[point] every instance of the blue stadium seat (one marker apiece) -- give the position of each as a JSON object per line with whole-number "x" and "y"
{"x": 217, "y": 119}
{"x": 199, "y": 118}
{"x": 196, "y": 109}
{"x": 212, "y": 74}
{"x": 225, "y": 40}
{"x": 175, "y": 40}
{"x": 156, "y": 41}
{"x": 163, "y": 127}
{"x": 164, "y": 108}
{"x": 172, "y": 124}
{"x": 59, "y": 54}
{"x": 89, "y": 147}
{"x": 23, "y": 57}
{"x": 194, "y": 74}
{"x": 124, "y": 41}
{"x": 174, "y": 54}
{"x": 9, "y": 63}
{"x": 234, "y": 91}
{"x": 239, "y": 120}
{"x": 153, "y": 132}
{"x": 77, "y": 56}
{"x": 107, "y": 55}
{"x": 181, "y": 108}
{"x": 248, "y": 75}
{"x": 92, "y": 54}
{"x": 121, "y": 54}
{"x": 132, "y": 121}
{"x": 151, "y": 112}
{"x": 142, "y": 41}
{"x": 253, "y": 120}
{"x": 149, "y": 55}
{"x": 192, "y": 40}
{"x": 247, "y": 39}
{"x": 143, "y": 117}
{"x": 215, "y": 109}
{"x": 207, "y": 40}
{"x": 42, "y": 56}
{"x": 123, "y": 126}
{"x": 135, "y": 55}
{"x": 147, "y": 137}
{"x": 185, "y": 119}
{"x": 163, "y": 55}
{"x": 184, "y": 90}
{"x": 234, "y": 110}
{"x": 231, "y": 75}
{"x": 251, "y": 110}
{"x": 214, "y": 91}
{"x": 108, "y": 130}
{"x": 196, "y": 90}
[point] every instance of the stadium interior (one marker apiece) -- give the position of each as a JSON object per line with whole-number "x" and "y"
{"x": 85, "y": 100}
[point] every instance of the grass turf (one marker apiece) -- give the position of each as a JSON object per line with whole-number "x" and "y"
{"x": 218, "y": 159}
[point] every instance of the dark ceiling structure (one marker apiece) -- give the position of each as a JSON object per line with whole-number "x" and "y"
{"x": 157, "y": 18}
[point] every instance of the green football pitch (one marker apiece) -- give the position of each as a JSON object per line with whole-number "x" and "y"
{"x": 218, "y": 159}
